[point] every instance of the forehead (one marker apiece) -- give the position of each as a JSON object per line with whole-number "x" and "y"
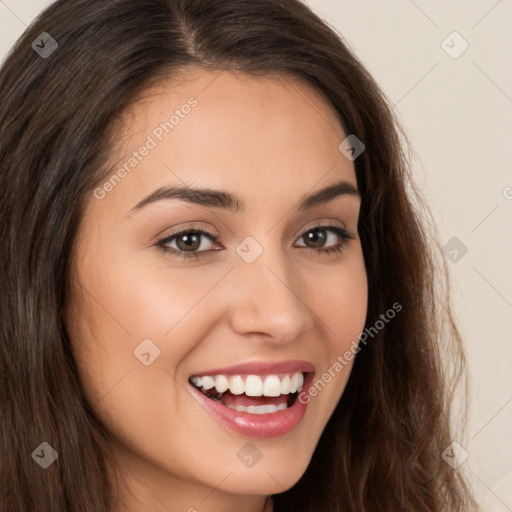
{"x": 235, "y": 92}
{"x": 229, "y": 130}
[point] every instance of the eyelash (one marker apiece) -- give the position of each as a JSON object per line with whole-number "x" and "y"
{"x": 343, "y": 233}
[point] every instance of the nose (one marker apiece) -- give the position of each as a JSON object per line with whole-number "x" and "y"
{"x": 268, "y": 299}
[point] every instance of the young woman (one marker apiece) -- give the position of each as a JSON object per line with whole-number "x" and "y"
{"x": 219, "y": 292}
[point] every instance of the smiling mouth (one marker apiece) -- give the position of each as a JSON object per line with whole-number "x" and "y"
{"x": 253, "y": 394}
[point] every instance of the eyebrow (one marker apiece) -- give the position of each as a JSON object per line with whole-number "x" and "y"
{"x": 220, "y": 199}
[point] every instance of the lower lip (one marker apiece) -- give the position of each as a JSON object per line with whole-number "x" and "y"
{"x": 256, "y": 425}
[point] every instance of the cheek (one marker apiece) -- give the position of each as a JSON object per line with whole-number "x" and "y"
{"x": 150, "y": 297}
{"x": 341, "y": 302}
{"x": 138, "y": 403}
{"x": 157, "y": 294}
{"x": 341, "y": 305}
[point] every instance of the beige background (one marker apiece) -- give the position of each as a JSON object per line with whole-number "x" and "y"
{"x": 457, "y": 114}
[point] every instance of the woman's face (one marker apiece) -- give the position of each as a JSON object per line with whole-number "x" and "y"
{"x": 258, "y": 300}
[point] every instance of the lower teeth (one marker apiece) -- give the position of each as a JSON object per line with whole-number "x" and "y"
{"x": 214, "y": 395}
{"x": 258, "y": 409}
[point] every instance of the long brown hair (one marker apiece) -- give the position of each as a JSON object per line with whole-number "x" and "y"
{"x": 382, "y": 448}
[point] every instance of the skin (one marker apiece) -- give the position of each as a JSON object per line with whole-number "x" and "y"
{"x": 271, "y": 141}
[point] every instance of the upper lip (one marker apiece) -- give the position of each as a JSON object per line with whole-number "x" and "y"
{"x": 261, "y": 368}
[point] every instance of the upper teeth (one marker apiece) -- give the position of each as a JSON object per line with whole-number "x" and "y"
{"x": 254, "y": 385}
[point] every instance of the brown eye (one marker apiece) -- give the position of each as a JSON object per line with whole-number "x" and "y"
{"x": 316, "y": 238}
{"x": 187, "y": 243}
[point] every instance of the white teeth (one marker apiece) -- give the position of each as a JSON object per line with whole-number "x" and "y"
{"x": 258, "y": 409}
{"x": 254, "y": 385}
{"x": 272, "y": 386}
{"x": 297, "y": 382}
{"x": 236, "y": 385}
{"x": 197, "y": 381}
{"x": 208, "y": 383}
{"x": 286, "y": 385}
{"x": 221, "y": 383}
